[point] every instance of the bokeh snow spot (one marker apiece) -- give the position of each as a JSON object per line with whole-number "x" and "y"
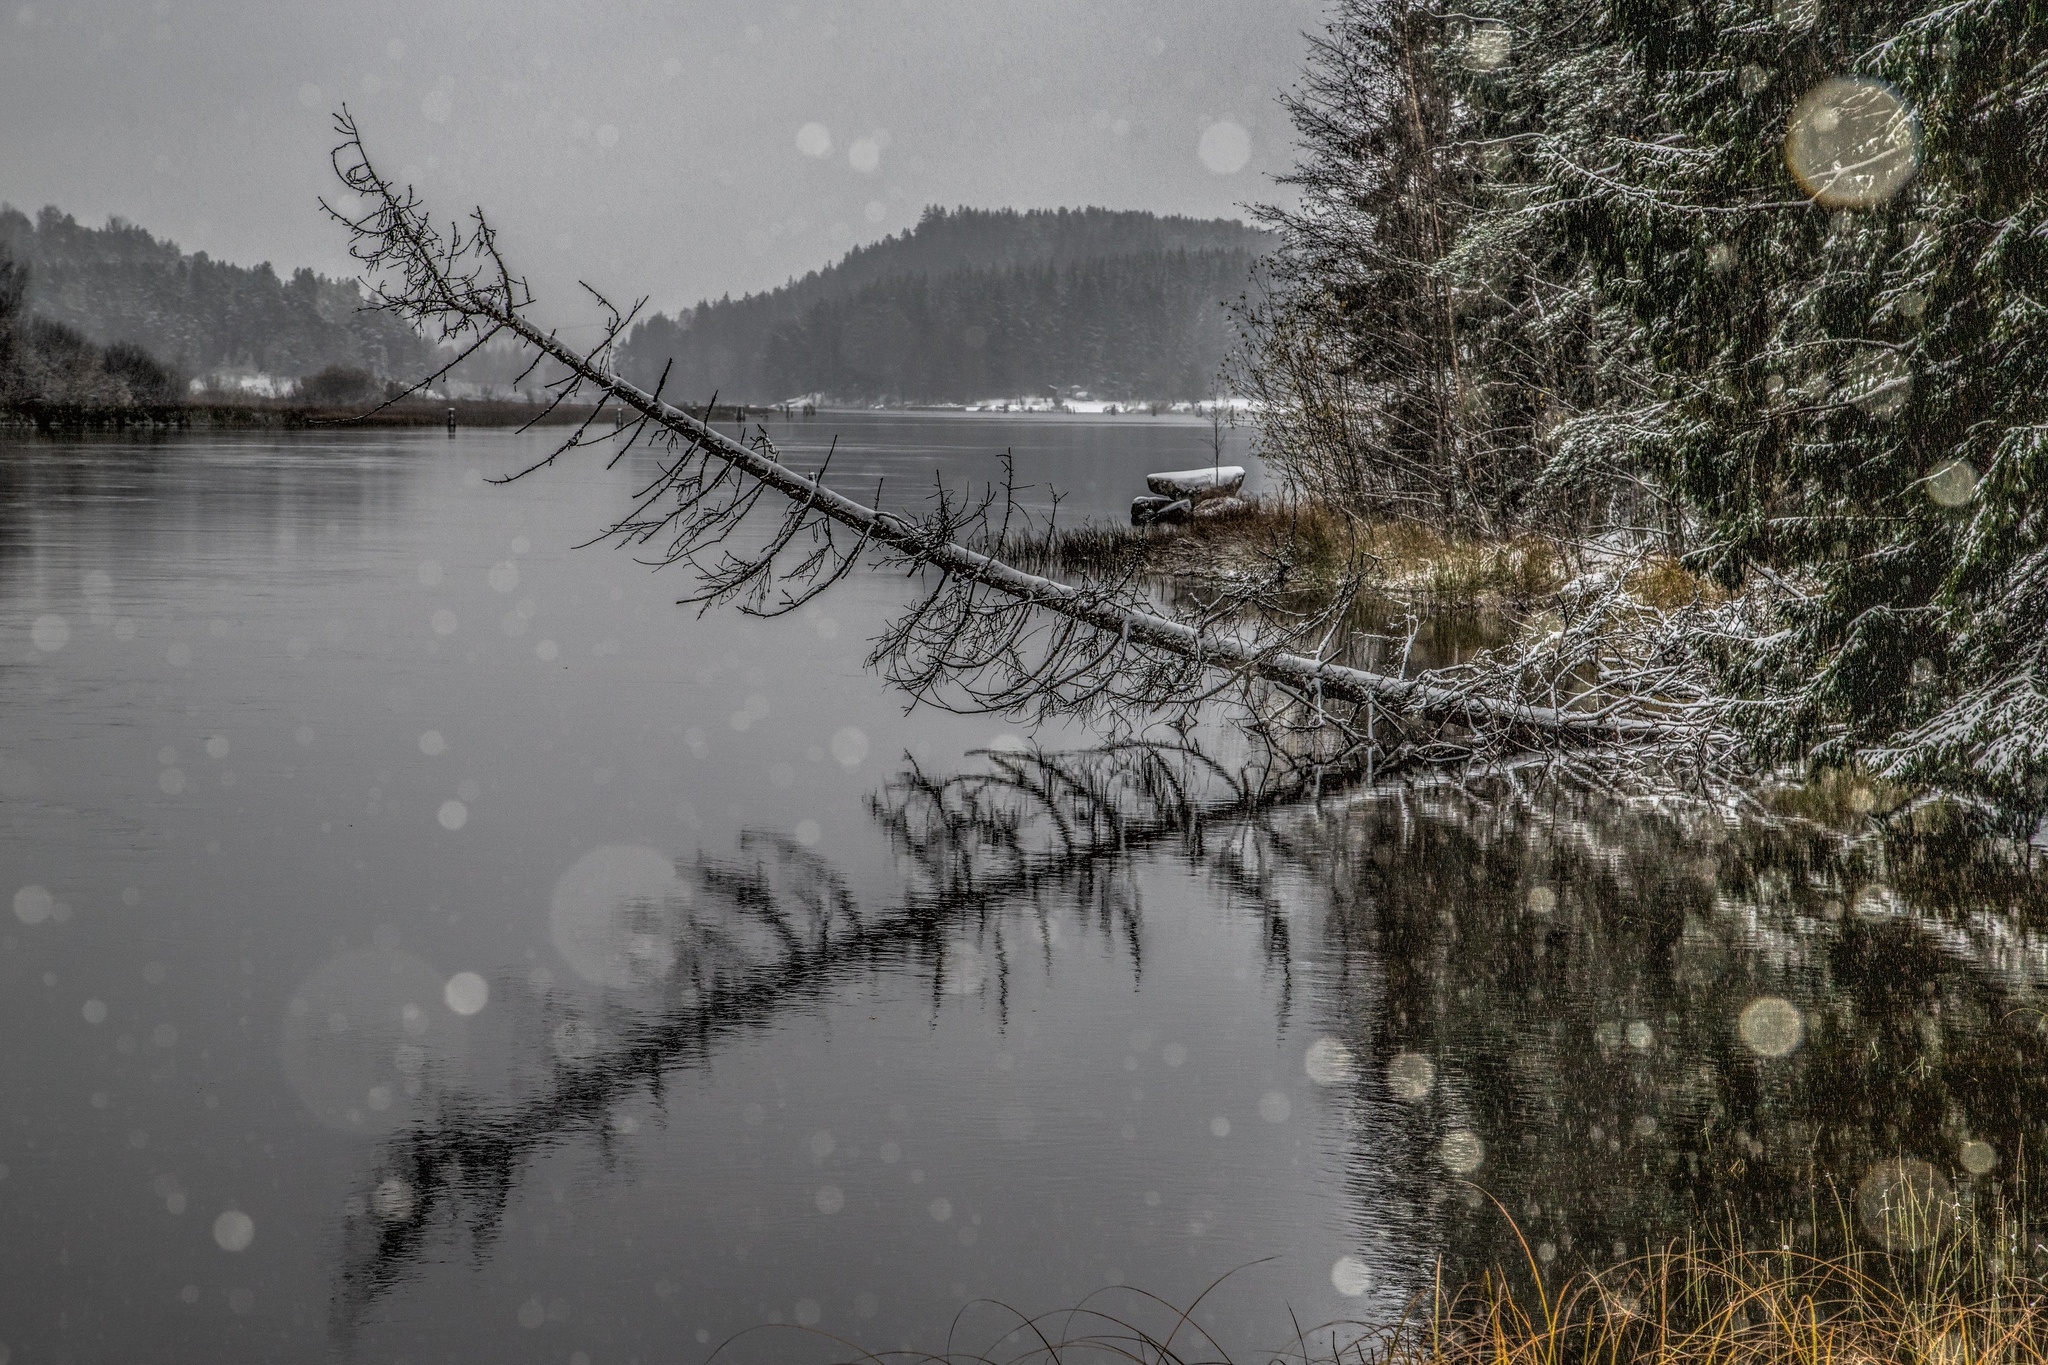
{"x": 1225, "y": 147}
{"x": 1878, "y": 381}
{"x": 1852, "y": 143}
{"x": 1410, "y": 1076}
{"x": 849, "y": 746}
{"x": 1770, "y": 1026}
{"x": 1951, "y": 483}
{"x": 1351, "y": 1277}
{"x": 1329, "y": 1062}
{"x": 466, "y": 993}
{"x": 616, "y": 914}
{"x": 33, "y": 904}
{"x": 234, "y": 1230}
{"x": 964, "y": 968}
{"x": 814, "y": 140}
{"x": 1903, "y": 1202}
{"x": 1487, "y": 46}
{"x": 393, "y": 1201}
{"x": 358, "y": 1036}
{"x": 1461, "y": 1151}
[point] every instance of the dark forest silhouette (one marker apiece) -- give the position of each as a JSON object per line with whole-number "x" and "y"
{"x": 975, "y": 304}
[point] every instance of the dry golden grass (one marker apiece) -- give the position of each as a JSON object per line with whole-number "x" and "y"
{"x": 1682, "y": 1306}
{"x": 1404, "y": 561}
{"x": 1691, "y": 1307}
{"x": 1936, "y": 1287}
{"x": 1662, "y": 582}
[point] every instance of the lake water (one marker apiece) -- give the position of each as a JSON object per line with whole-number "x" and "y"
{"x": 430, "y": 943}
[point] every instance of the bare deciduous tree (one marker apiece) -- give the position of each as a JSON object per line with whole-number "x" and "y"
{"x": 984, "y": 635}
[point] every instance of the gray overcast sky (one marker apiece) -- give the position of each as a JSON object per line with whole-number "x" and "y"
{"x": 658, "y": 148}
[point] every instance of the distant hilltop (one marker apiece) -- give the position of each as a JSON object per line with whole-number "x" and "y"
{"x": 975, "y": 304}
{"x": 118, "y": 286}
{"x": 972, "y": 305}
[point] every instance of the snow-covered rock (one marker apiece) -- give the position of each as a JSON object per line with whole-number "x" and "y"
{"x": 1216, "y": 481}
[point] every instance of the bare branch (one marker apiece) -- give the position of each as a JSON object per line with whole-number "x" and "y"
{"x": 987, "y": 636}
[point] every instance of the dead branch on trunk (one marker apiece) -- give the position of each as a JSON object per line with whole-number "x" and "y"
{"x": 985, "y": 635}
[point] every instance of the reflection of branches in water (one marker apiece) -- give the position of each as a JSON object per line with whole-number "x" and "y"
{"x": 777, "y": 929}
{"x": 1566, "y": 972}
{"x": 1033, "y": 821}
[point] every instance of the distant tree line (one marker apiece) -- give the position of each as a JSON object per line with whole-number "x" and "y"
{"x": 119, "y": 287}
{"x": 1765, "y": 278}
{"x": 1148, "y": 326}
{"x": 976, "y": 304}
{"x": 48, "y": 362}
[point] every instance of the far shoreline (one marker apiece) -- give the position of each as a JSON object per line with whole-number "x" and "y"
{"x": 284, "y": 414}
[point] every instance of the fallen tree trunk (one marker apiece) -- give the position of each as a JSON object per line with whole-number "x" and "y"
{"x": 1329, "y": 681}
{"x": 460, "y": 282}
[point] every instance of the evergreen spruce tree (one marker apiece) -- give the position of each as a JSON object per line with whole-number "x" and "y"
{"x": 1825, "y": 236}
{"x": 1764, "y": 275}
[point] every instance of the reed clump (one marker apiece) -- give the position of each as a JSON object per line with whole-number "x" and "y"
{"x": 1927, "y": 1281}
{"x": 1685, "y": 1306}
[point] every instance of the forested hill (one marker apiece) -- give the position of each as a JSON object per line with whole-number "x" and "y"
{"x": 972, "y": 304}
{"x": 120, "y": 284}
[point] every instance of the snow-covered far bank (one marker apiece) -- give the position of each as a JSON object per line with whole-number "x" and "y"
{"x": 1112, "y": 407}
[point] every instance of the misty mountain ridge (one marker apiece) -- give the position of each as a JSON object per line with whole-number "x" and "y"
{"x": 969, "y": 304}
{"x": 118, "y": 285}
{"x": 975, "y": 303}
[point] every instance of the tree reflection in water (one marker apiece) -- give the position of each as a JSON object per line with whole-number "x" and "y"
{"x": 1563, "y": 976}
{"x": 747, "y": 940}
{"x": 1537, "y": 991}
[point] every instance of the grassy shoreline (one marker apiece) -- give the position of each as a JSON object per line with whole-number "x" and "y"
{"x": 1309, "y": 548}
{"x": 1955, "y": 1301}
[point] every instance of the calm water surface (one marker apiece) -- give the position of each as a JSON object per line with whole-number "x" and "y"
{"x": 429, "y": 943}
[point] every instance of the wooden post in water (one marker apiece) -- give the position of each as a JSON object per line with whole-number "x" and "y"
{"x": 451, "y": 421}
